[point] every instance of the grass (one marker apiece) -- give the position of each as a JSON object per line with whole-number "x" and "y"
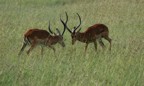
{"x": 123, "y": 66}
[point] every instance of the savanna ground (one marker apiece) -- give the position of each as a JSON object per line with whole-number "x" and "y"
{"x": 123, "y": 66}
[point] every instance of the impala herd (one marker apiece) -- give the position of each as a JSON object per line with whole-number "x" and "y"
{"x": 35, "y": 36}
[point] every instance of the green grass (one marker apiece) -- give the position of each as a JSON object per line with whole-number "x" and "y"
{"x": 123, "y": 66}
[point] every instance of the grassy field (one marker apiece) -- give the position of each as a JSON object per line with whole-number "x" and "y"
{"x": 123, "y": 66}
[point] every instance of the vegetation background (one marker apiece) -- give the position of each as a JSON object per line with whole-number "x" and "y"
{"x": 123, "y": 66}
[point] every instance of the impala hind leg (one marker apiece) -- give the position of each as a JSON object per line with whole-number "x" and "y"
{"x": 22, "y": 49}
{"x": 31, "y": 48}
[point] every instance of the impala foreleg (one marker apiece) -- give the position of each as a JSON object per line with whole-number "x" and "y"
{"x": 109, "y": 40}
{"x": 86, "y": 47}
{"x": 42, "y": 49}
{"x": 95, "y": 44}
{"x": 52, "y": 47}
{"x": 101, "y": 43}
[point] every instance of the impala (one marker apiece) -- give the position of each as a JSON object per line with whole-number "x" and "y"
{"x": 35, "y": 37}
{"x": 97, "y": 31}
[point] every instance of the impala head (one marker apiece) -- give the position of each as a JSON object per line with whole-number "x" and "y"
{"x": 59, "y": 36}
{"x": 75, "y": 32}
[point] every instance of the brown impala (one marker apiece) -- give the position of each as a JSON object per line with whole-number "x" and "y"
{"x": 35, "y": 37}
{"x": 97, "y": 31}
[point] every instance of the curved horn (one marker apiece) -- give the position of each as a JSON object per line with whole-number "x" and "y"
{"x": 79, "y": 23}
{"x": 66, "y": 17}
{"x": 65, "y": 23}
{"x": 50, "y": 29}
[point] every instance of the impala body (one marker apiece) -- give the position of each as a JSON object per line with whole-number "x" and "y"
{"x": 91, "y": 35}
{"x": 36, "y": 37}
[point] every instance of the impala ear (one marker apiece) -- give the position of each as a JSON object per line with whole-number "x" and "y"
{"x": 73, "y": 30}
{"x": 58, "y": 31}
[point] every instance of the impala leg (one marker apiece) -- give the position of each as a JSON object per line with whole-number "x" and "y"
{"x": 52, "y": 48}
{"x": 109, "y": 40}
{"x": 31, "y": 48}
{"x": 86, "y": 47}
{"x": 95, "y": 44}
{"x": 42, "y": 49}
{"x": 101, "y": 43}
{"x": 22, "y": 49}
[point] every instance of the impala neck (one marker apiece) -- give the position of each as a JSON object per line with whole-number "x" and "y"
{"x": 81, "y": 37}
{"x": 54, "y": 39}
